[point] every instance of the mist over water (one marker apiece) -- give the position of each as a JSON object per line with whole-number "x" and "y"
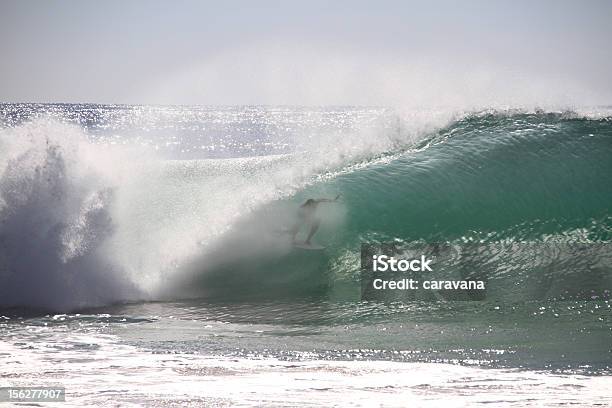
{"x": 328, "y": 75}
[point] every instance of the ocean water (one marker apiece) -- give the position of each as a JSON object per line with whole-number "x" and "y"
{"x": 143, "y": 263}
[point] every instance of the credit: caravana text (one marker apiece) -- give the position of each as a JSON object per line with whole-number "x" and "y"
{"x": 411, "y": 284}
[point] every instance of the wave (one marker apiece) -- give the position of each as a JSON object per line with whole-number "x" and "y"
{"x": 84, "y": 223}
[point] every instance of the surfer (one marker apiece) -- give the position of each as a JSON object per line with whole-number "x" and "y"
{"x": 306, "y": 215}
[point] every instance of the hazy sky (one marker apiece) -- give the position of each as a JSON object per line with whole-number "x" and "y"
{"x": 307, "y": 52}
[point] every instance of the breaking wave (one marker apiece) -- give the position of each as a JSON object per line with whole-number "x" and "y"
{"x": 84, "y": 222}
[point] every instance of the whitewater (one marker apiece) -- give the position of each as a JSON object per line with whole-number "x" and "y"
{"x": 144, "y": 240}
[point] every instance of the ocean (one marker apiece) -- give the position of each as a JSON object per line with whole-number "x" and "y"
{"x": 144, "y": 259}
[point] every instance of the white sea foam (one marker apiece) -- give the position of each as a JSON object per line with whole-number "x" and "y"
{"x": 101, "y": 370}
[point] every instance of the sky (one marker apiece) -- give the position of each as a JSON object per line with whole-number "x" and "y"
{"x": 395, "y": 53}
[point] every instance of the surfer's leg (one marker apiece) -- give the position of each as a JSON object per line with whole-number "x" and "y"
{"x": 314, "y": 226}
{"x": 301, "y": 218}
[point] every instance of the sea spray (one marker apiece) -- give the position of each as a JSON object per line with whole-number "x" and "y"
{"x": 55, "y": 221}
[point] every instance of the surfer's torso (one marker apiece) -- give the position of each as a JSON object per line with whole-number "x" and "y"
{"x": 307, "y": 210}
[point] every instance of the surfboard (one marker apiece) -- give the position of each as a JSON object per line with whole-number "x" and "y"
{"x": 312, "y": 247}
